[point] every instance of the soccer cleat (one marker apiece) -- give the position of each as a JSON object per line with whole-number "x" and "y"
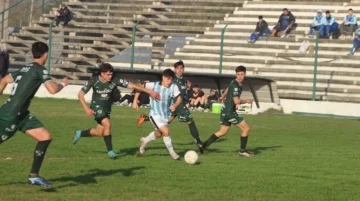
{"x": 350, "y": 54}
{"x": 141, "y": 119}
{"x": 201, "y": 147}
{"x": 246, "y": 153}
{"x": 39, "y": 181}
{"x": 142, "y": 147}
{"x": 175, "y": 156}
{"x": 76, "y": 137}
{"x": 112, "y": 155}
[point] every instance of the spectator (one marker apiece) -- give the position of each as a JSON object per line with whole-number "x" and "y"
{"x": 189, "y": 92}
{"x": 356, "y": 43}
{"x": 196, "y": 97}
{"x": 4, "y": 62}
{"x": 285, "y": 24}
{"x": 144, "y": 98}
{"x": 213, "y": 98}
{"x": 128, "y": 98}
{"x": 97, "y": 65}
{"x": 261, "y": 29}
{"x": 349, "y": 24}
{"x": 330, "y": 25}
{"x": 63, "y": 14}
{"x": 317, "y": 24}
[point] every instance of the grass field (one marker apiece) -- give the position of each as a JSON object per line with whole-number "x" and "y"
{"x": 298, "y": 158}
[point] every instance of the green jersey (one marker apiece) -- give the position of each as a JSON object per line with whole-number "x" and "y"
{"x": 26, "y": 83}
{"x": 234, "y": 91}
{"x": 103, "y": 91}
{"x": 181, "y": 83}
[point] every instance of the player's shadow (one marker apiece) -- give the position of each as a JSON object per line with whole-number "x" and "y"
{"x": 259, "y": 150}
{"x": 90, "y": 177}
{"x": 194, "y": 143}
{"x": 134, "y": 150}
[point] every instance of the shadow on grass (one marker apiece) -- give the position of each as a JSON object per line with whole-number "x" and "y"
{"x": 194, "y": 143}
{"x": 90, "y": 177}
{"x": 133, "y": 151}
{"x": 259, "y": 150}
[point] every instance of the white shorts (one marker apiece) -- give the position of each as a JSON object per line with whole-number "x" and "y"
{"x": 158, "y": 121}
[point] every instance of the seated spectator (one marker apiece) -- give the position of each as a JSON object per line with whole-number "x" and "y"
{"x": 189, "y": 92}
{"x": 330, "y": 25}
{"x": 128, "y": 98}
{"x": 97, "y": 65}
{"x": 261, "y": 29}
{"x": 196, "y": 97}
{"x": 143, "y": 100}
{"x": 317, "y": 24}
{"x": 4, "y": 62}
{"x": 349, "y": 25}
{"x": 356, "y": 43}
{"x": 285, "y": 24}
{"x": 213, "y": 98}
{"x": 63, "y": 14}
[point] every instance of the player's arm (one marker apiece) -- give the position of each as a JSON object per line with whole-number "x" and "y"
{"x": 53, "y": 87}
{"x": 4, "y": 81}
{"x": 81, "y": 96}
{"x": 223, "y": 95}
{"x": 178, "y": 99}
{"x": 135, "y": 101}
{"x": 239, "y": 101}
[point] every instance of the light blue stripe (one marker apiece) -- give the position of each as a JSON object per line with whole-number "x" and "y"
{"x": 158, "y": 109}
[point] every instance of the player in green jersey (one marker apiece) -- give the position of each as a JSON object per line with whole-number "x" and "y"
{"x": 103, "y": 87}
{"x": 14, "y": 114}
{"x": 228, "y": 114}
{"x": 182, "y": 112}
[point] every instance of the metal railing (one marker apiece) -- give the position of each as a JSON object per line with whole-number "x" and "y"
{"x": 222, "y": 48}
{"x": 132, "y": 57}
{"x": 316, "y": 63}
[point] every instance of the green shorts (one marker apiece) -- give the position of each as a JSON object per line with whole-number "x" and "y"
{"x": 183, "y": 114}
{"x": 9, "y": 124}
{"x": 100, "y": 114}
{"x": 228, "y": 119}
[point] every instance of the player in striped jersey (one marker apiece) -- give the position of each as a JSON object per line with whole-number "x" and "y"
{"x": 161, "y": 110}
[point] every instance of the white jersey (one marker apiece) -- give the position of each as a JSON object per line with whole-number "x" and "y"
{"x": 167, "y": 95}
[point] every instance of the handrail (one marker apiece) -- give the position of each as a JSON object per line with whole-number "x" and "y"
{"x": 222, "y": 48}
{"x": 133, "y": 45}
{"x": 316, "y": 63}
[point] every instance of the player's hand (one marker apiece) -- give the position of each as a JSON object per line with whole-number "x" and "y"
{"x": 135, "y": 106}
{"x": 90, "y": 112}
{"x": 220, "y": 100}
{"x": 155, "y": 95}
{"x": 65, "y": 81}
{"x": 172, "y": 108}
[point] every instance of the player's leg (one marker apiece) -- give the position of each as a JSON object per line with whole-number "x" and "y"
{"x": 34, "y": 128}
{"x": 98, "y": 131}
{"x": 221, "y": 132}
{"x": 164, "y": 130}
{"x": 106, "y": 123}
{"x": 151, "y": 137}
{"x": 243, "y": 139}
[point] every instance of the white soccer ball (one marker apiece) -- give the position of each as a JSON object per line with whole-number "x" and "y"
{"x": 191, "y": 157}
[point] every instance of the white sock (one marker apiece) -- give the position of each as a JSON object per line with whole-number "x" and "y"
{"x": 150, "y": 137}
{"x": 168, "y": 144}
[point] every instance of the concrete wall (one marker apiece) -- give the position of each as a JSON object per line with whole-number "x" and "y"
{"x": 320, "y": 108}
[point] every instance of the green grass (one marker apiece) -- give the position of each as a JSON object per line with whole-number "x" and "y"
{"x": 298, "y": 158}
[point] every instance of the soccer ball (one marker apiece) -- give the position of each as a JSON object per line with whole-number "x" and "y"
{"x": 191, "y": 157}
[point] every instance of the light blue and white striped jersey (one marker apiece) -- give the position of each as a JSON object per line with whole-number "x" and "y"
{"x": 167, "y": 95}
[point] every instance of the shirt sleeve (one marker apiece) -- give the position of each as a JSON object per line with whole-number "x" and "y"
{"x": 176, "y": 91}
{"x": 44, "y": 75}
{"x": 88, "y": 85}
{"x": 14, "y": 75}
{"x": 149, "y": 85}
{"x": 234, "y": 91}
{"x": 354, "y": 20}
{"x": 121, "y": 82}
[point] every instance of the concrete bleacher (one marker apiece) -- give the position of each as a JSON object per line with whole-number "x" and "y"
{"x": 104, "y": 30}
{"x": 279, "y": 58}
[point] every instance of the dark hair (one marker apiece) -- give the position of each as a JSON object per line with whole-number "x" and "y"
{"x": 179, "y": 63}
{"x": 195, "y": 86}
{"x": 260, "y": 17}
{"x": 285, "y": 9}
{"x": 38, "y": 49}
{"x": 350, "y": 9}
{"x": 327, "y": 12}
{"x": 106, "y": 67}
{"x": 168, "y": 73}
{"x": 98, "y": 61}
{"x": 240, "y": 69}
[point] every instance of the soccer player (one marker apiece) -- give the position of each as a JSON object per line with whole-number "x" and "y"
{"x": 103, "y": 87}
{"x": 14, "y": 114}
{"x": 182, "y": 112}
{"x": 228, "y": 114}
{"x": 161, "y": 110}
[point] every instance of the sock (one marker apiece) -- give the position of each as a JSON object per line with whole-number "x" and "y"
{"x": 243, "y": 142}
{"x": 39, "y": 155}
{"x": 85, "y": 133}
{"x": 108, "y": 142}
{"x": 211, "y": 139}
{"x": 150, "y": 137}
{"x": 168, "y": 144}
{"x": 146, "y": 118}
{"x": 194, "y": 132}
